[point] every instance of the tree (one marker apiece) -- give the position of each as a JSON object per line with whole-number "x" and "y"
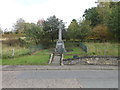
{"x": 113, "y": 22}
{"x": 84, "y": 29}
{"x": 73, "y": 29}
{"x": 19, "y": 26}
{"x": 100, "y": 32}
{"x": 1, "y": 32}
{"x": 104, "y": 11}
{"x": 40, "y": 22}
{"x": 104, "y": 19}
{"x": 50, "y": 27}
{"x": 92, "y": 15}
{"x": 33, "y": 32}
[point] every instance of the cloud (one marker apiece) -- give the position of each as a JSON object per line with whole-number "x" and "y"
{"x": 10, "y": 11}
{"x": 33, "y": 10}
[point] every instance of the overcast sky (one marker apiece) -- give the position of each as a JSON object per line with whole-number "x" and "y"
{"x": 33, "y": 10}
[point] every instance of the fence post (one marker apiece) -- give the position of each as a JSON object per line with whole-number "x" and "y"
{"x": 13, "y": 52}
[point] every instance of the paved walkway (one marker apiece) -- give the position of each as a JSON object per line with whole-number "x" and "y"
{"x": 64, "y": 67}
{"x": 56, "y": 60}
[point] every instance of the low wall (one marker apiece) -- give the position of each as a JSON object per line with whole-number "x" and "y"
{"x": 93, "y": 60}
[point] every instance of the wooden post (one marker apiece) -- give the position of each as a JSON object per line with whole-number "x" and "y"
{"x": 13, "y": 52}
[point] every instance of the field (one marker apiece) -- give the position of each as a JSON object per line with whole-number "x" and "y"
{"x": 110, "y": 49}
{"x": 27, "y": 60}
{"x": 9, "y": 52}
{"x": 99, "y": 49}
{"x": 23, "y": 56}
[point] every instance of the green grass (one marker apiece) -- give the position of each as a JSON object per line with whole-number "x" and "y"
{"x": 100, "y": 49}
{"x": 43, "y": 52}
{"x": 68, "y": 56}
{"x": 110, "y": 49}
{"x": 76, "y": 50}
{"x": 18, "y": 51}
{"x": 27, "y": 60}
{"x": 42, "y": 57}
{"x": 21, "y": 58}
{"x": 0, "y": 61}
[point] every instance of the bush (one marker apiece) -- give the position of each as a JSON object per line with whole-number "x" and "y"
{"x": 14, "y": 42}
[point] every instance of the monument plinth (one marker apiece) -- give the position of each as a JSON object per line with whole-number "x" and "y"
{"x": 60, "y": 48}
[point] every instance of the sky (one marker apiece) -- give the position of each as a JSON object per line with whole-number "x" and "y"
{"x": 33, "y": 10}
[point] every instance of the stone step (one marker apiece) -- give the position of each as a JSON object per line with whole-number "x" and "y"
{"x": 56, "y": 60}
{"x": 56, "y": 54}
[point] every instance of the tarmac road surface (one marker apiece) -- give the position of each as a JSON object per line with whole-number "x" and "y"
{"x": 60, "y": 79}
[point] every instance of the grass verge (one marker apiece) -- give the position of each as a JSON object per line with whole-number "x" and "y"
{"x": 98, "y": 49}
{"x": 27, "y": 60}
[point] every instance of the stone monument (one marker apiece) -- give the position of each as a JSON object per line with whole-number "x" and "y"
{"x": 60, "y": 48}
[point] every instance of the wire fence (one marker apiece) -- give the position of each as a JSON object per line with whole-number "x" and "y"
{"x": 92, "y": 49}
{"x": 83, "y": 46}
{"x": 11, "y": 52}
{"x": 36, "y": 48}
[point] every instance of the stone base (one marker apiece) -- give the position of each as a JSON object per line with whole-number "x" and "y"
{"x": 60, "y": 48}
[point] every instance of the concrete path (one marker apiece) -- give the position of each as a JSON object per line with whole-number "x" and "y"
{"x": 64, "y": 67}
{"x": 60, "y": 79}
{"x": 56, "y": 60}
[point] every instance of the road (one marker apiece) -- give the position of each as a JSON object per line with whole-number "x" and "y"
{"x": 60, "y": 79}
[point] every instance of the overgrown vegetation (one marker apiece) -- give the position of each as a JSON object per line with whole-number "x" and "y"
{"x": 39, "y": 58}
{"x": 98, "y": 49}
{"x": 99, "y": 24}
{"x": 13, "y": 52}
